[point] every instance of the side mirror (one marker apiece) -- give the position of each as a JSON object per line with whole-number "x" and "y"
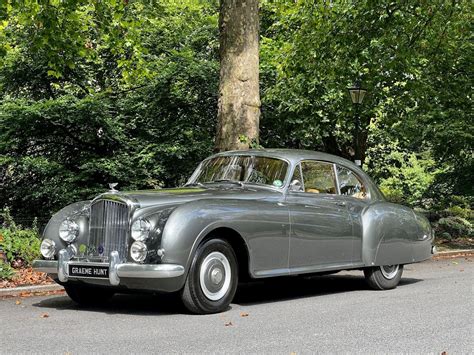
{"x": 296, "y": 186}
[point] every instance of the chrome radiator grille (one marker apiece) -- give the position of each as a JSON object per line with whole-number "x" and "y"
{"x": 108, "y": 228}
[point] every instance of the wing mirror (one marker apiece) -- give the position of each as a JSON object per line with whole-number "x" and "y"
{"x": 296, "y": 186}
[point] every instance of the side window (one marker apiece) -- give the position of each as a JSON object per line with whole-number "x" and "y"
{"x": 349, "y": 184}
{"x": 318, "y": 177}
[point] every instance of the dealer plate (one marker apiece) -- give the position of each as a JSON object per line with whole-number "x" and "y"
{"x": 92, "y": 271}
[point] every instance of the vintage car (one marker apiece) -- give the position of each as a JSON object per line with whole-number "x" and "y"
{"x": 242, "y": 215}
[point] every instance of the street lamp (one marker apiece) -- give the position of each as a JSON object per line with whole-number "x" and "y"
{"x": 357, "y": 96}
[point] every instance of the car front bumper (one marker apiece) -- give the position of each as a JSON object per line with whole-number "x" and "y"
{"x": 117, "y": 270}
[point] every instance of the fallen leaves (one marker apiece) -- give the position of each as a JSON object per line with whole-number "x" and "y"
{"x": 27, "y": 277}
{"x": 18, "y": 302}
{"x": 32, "y": 294}
{"x": 44, "y": 315}
{"x": 242, "y": 314}
{"x": 228, "y": 324}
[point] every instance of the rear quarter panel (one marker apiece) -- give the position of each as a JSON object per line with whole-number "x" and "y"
{"x": 394, "y": 234}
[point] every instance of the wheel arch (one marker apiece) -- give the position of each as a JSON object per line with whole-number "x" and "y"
{"x": 236, "y": 241}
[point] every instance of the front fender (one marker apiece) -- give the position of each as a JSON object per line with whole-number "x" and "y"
{"x": 188, "y": 224}
{"x": 77, "y": 211}
{"x": 262, "y": 224}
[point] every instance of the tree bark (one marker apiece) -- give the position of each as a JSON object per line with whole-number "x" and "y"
{"x": 239, "y": 98}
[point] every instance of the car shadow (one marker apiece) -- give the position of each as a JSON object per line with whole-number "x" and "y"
{"x": 251, "y": 293}
{"x": 287, "y": 288}
{"x": 133, "y": 304}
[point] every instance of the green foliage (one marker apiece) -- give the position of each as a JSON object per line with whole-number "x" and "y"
{"x": 409, "y": 179}
{"x": 20, "y": 245}
{"x": 6, "y": 271}
{"x": 453, "y": 227}
{"x": 62, "y": 139}
{"x": 458, "y": 211}
{"x": 414, "y": 58}
{"x": 126, "y": 91}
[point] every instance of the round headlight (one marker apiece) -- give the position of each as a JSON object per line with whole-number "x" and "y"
{"x": 138, "y": 251}
{"x": 48, "y": 248}
{"x": 68, "y": 230}
{"x": 141, "y": 229}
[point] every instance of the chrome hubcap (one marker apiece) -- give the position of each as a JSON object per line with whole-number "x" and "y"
{"x": 215, "y": 276}
{"x": 389, "y": 271}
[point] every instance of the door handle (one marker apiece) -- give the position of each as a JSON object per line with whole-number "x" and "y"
{"x": 341, "y": 203}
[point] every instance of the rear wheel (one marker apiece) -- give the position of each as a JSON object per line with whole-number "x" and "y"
{"x": 212, "y": 278}
{"x": 88, "y": 296}
{"x": 383, "y": 277}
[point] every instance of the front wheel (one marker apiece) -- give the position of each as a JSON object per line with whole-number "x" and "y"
{"x": 383, "y": 277}
{"x": 212, "y": 278}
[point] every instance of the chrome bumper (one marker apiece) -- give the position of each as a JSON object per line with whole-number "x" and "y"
{"x": 116, "y": 269}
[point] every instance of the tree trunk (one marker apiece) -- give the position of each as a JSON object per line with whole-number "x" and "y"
{"x": 239, "y": 98}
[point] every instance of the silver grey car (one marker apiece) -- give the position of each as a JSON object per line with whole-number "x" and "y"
{"x": 242, "y": 215}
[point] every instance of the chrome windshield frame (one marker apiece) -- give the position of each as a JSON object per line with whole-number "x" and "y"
{"x": 195, "y": 174}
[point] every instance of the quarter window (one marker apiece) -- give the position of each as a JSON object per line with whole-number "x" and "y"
{"x": 350, "y": 184}
{"x": 318, "y": 177}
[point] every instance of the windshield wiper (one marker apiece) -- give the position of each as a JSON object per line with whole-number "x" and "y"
{"x": 194, "y": 184}
{"x": 240, "y": 183}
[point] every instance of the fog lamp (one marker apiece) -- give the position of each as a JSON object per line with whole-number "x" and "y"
{"x": 48, "y": 248}
{"x": 138, "y": 251}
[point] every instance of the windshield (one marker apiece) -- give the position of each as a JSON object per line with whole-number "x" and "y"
{"x": 243, "y": 168}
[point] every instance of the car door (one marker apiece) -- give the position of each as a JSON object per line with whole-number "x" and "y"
{"x": 356, "y": 195}
{"x": 321, "y": 227}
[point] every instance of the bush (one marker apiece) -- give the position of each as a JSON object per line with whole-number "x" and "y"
{"x": 409, "y": 178}
{"x": 454, "y": 227}
{"x": 20, "y": 245}
{"x": 6, "y": 271}
{"x": 458, "y": 211}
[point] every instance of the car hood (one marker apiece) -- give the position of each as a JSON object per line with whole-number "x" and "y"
{"x": 174, "y": 196}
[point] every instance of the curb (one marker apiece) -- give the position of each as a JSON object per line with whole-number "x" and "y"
{"x": 453, "y": 253}
{"x": 29, "y": 289}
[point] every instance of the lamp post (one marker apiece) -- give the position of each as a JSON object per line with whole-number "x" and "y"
{"x": 357, "y": 96}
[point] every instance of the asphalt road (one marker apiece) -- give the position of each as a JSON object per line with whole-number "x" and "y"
{"x": 430, "y": 312}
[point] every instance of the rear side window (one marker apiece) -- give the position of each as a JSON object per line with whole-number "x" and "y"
{"x": 318, "y": 177}
{"x": 350, "y": 184}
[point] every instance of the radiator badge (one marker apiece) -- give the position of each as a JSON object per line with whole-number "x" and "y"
{"x": 100, "y": 249}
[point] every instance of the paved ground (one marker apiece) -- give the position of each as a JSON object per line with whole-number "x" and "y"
{"x": 430, "y": 312}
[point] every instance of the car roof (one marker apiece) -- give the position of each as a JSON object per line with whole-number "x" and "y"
{"x": 294, "y": 156}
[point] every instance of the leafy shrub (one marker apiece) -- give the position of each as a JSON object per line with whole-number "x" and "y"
{"x": 458, "y": 211}
{"x": 6, "y": 271}
{"x": 393, "y": 194}
{"x": 20, "y": 245}
{"x": 409, "y": 178}
{"x": 454, "y": 227}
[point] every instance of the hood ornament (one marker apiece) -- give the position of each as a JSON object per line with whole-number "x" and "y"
{"x": 112, "y": 186}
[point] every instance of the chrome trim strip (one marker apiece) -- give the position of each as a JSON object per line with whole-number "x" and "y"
{"x": 116, "y": 270}
{"x": 48, "y": 266}
{"x": 159, "y": 271}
